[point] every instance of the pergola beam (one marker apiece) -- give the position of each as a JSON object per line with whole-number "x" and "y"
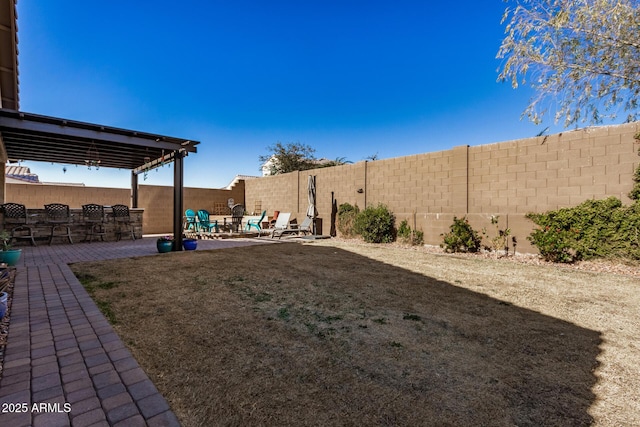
{"x": 86, "y": 131}
{"x": 25, "y": 136}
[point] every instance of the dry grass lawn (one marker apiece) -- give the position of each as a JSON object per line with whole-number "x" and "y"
{"x": 332, "y": 333}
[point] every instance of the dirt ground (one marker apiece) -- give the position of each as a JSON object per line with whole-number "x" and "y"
{"x": 336, "y": 333}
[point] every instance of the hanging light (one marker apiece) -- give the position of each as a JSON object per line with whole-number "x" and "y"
{"x": 93, "y": 157}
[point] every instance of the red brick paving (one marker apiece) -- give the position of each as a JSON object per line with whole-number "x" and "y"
{"x": 62, "y": 351}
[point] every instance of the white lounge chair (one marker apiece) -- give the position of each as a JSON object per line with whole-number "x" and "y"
{"x": 304, "y": 228}
{"x": 282, "y": 223}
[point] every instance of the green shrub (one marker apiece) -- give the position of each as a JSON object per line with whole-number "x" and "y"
{"x": 375, "y": 224}
{"x": 404, "y": 231}
{"x": 554, "y": 244}
{"x": 461, "y": 237}
{"x": 626, "y": 239}
{"x": 497, "y": 242}
{"x": 408, "y": 236}
{"x": 346, "y": 219}
{"x": 593, "y": 229}
{"x": 635, "y": 191}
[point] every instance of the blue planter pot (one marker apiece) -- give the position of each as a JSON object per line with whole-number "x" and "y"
{"x": 3, "y": 304}
{"x": 164, "y": 246}
{"x": 11, "y": 257}
{"x": 189, "y": 244}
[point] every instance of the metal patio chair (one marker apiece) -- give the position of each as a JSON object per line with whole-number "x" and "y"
{"x": 58, "y": 217}
{"x": 17, "y": 220}
{"x": 122, "y": 219}
{"x": 94, "y": 221}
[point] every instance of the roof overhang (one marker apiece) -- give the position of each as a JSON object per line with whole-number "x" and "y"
{"x": 9, "y": 85}
{"x": 26, "y": 136}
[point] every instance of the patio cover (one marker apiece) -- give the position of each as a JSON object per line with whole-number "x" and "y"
{"x": 25, "y": 136}
{"x": 9, "y": 83}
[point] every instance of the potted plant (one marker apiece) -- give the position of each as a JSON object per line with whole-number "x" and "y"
{"x": 8, "y": 255}
{"x": 5, "y": 281}
{"x": 3, "y": 304}
{"x": 164, "y": 244}
{"x": 189, "y": 244}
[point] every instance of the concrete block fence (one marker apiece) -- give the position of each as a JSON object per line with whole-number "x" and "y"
{"x": 508, "y": 179}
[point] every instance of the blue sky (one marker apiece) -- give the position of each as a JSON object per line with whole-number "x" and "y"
{"x": 349, "y": 78}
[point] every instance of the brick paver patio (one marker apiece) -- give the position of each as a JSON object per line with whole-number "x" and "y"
{"x": 63, "y": 356}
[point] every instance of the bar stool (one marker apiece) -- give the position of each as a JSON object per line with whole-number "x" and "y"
{"x": 58, "y": 217}
{"x": 93, "y": 216}
{"x": 15, "y": 218}
{"x": 122, "y": 219}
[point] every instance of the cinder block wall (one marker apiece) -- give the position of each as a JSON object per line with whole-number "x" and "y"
{"x": 36, "y": 196}
{"x": 507, "y": 179}
{"x": 157, "y": 201}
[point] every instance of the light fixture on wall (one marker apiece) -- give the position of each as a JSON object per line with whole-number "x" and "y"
{"x": 360, "y": 191}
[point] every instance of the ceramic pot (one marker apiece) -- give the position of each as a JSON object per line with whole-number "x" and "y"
{"x": 11, "y": 257}
{"x": 164, "y": 246}
{"x": 3, "y": 304}
{"x": 189, "y": 244}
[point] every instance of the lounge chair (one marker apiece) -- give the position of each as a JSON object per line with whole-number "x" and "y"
{"x": 256, "y": 223}
{"x": 304, "y": 228}
{"x": 274, "y": 219}
{"x": 282, "y": 223}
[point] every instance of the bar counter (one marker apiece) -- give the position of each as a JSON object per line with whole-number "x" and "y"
{"x": 37, "y": 220}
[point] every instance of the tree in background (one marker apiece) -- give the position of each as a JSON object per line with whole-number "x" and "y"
{"x": 291, "y": 157}
{"x": 339, "y": 161}
{"x": 582, "y": 56}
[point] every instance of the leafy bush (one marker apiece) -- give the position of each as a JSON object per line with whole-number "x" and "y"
{"x": 629, "y": 231}
{"x": 406, "y": 235}
{"x": 376, "y": 224}
{"x": 346, "y": 219}
{"x": 404, "y": 231}
{"x": 498, "y": 241}
{"x": 593, "y": 229}
{"x": 635, "y": 191}
{"x": 554, "y": 244}
{"x": 461, "y": 237}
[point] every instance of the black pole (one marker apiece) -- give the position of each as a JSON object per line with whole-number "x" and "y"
{"x": 134, "y": 190}
{"x": 178, "y": 199}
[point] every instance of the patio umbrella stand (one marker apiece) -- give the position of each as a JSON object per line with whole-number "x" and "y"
{"x": 311, "y": 210}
